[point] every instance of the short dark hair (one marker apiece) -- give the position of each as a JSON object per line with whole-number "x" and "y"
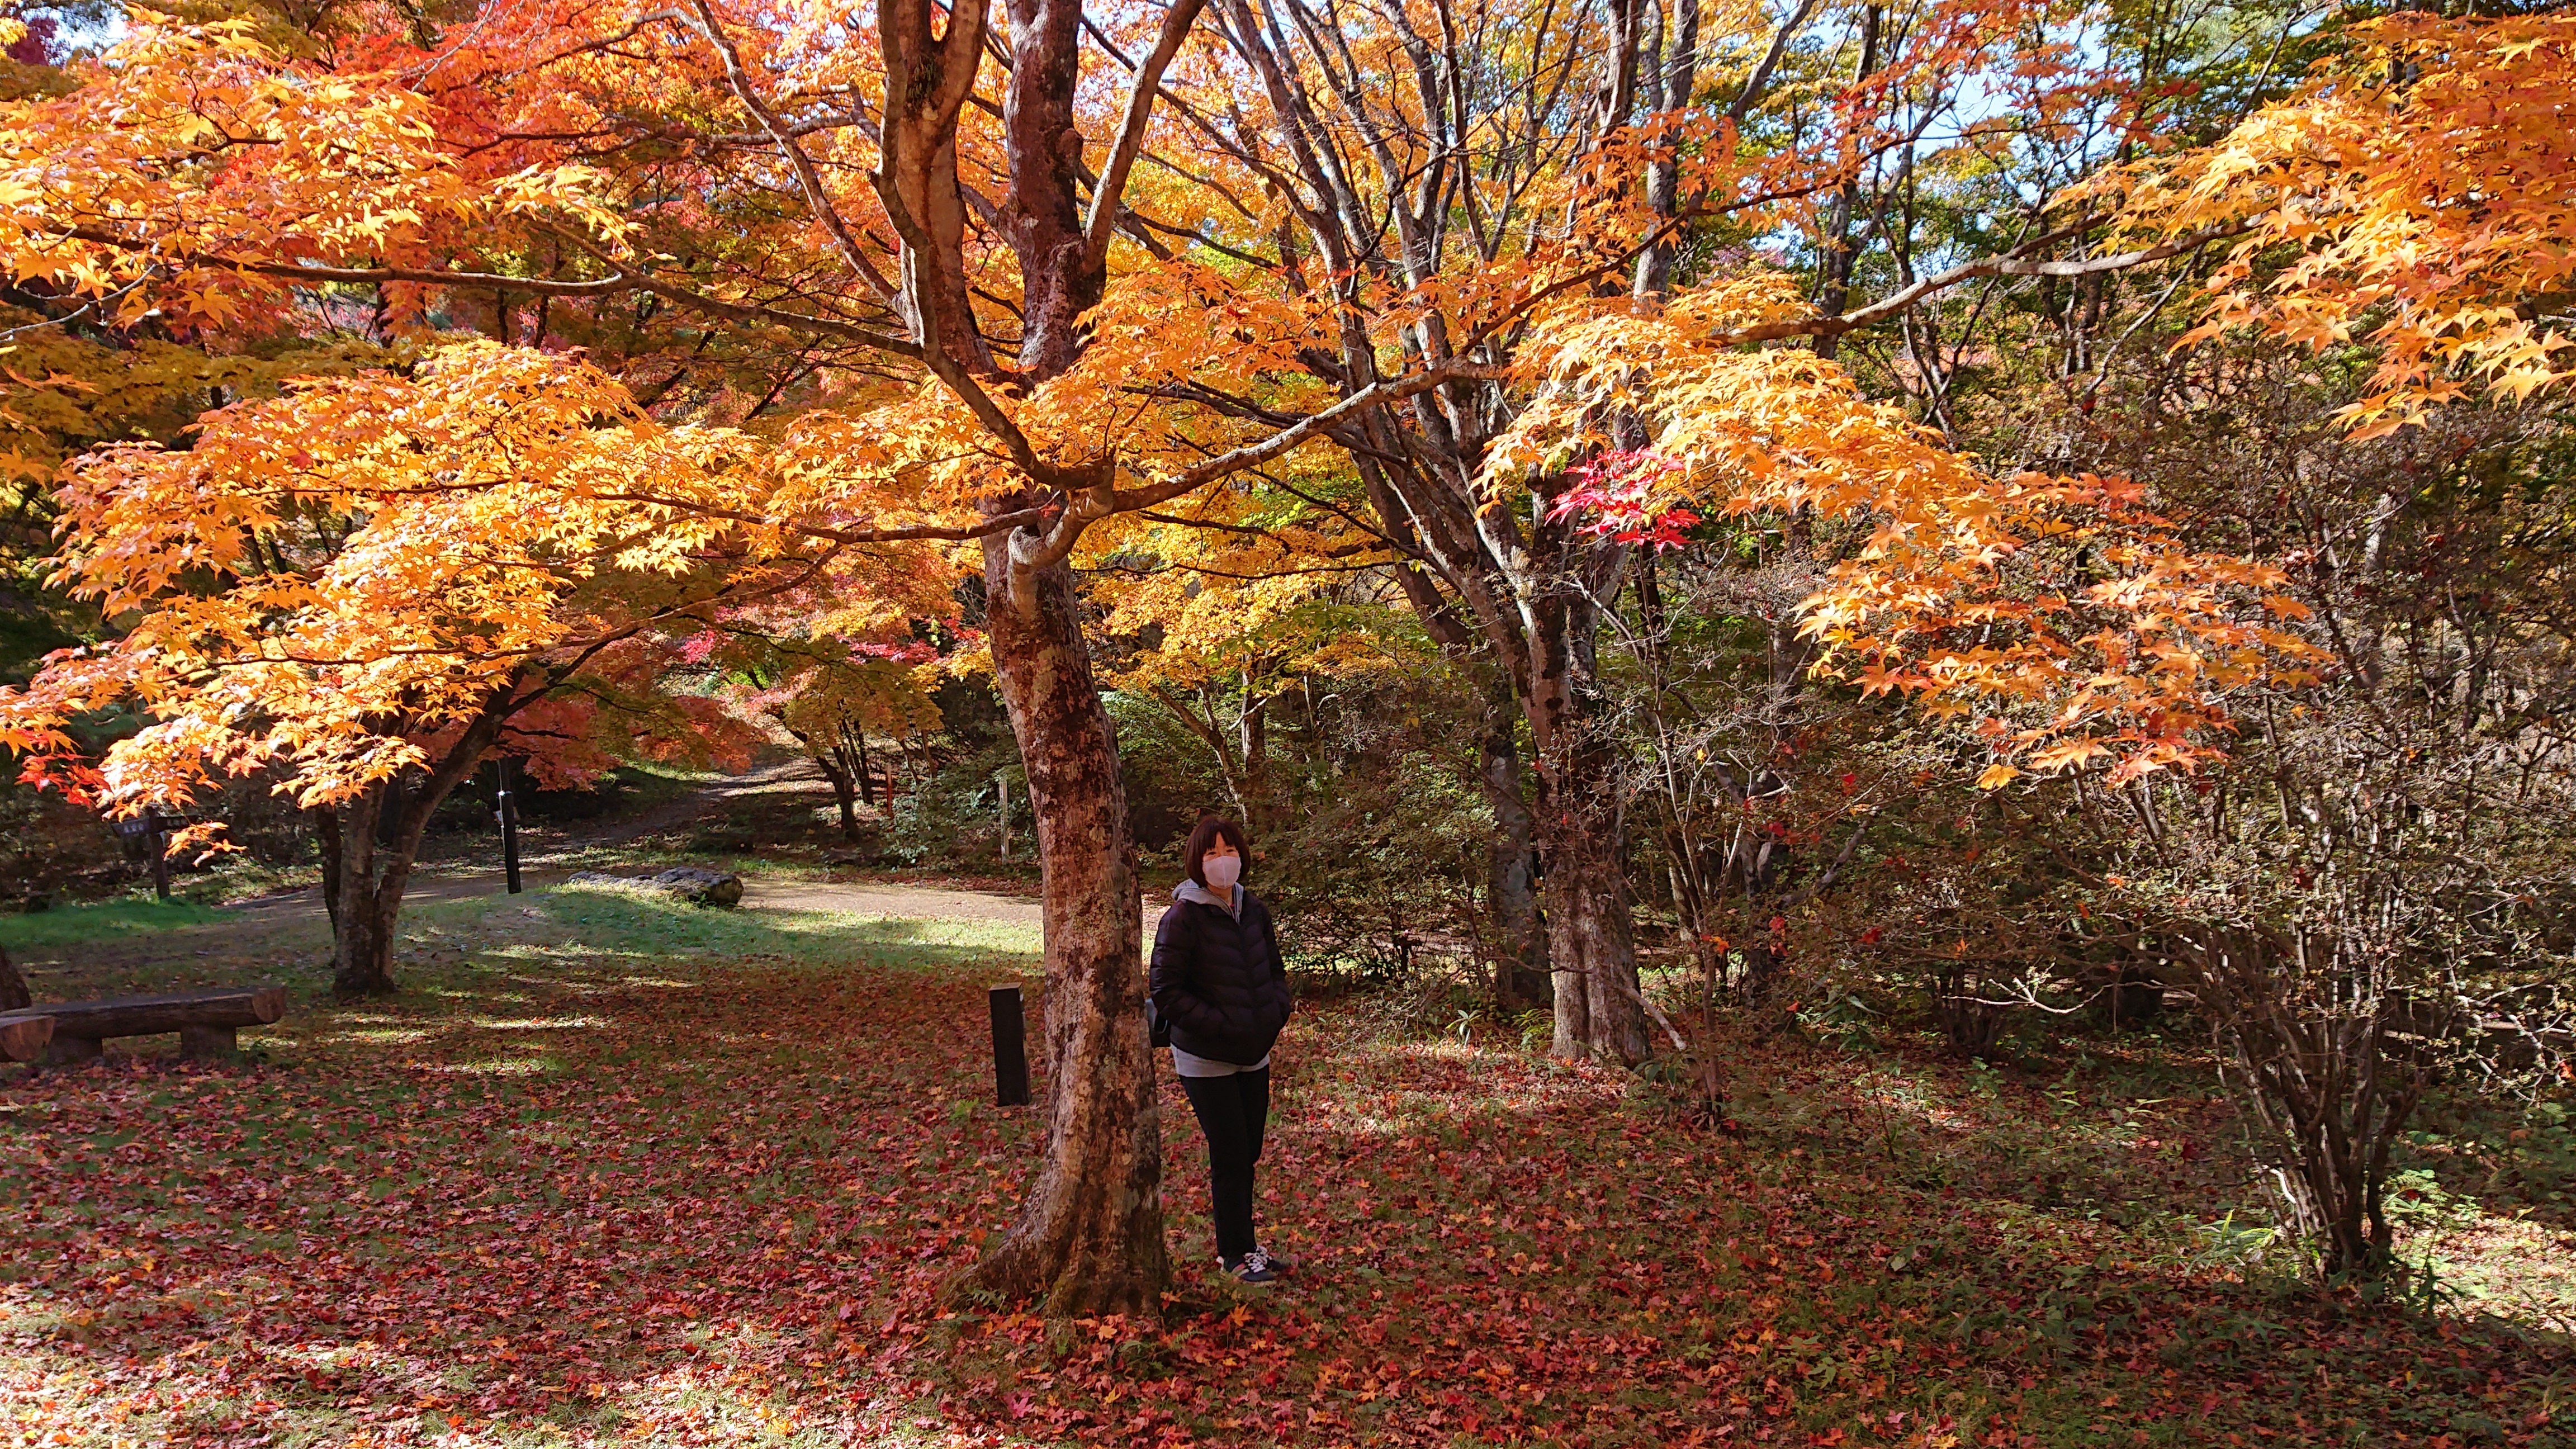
{"x": 1210, "y": 827}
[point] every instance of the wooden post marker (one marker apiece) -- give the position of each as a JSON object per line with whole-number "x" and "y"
{"x": 158, "y": 842}
{"x": 509, "y": 813}
{"x": 1010, "y": 1048}
{"x": 153, "y": 831}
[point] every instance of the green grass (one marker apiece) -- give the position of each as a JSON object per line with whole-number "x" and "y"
{"x": 625, "y": 791}
{"x": 111, "y": 920}
{"x": 611, "y": 921}
{"x": 623, "y": 919}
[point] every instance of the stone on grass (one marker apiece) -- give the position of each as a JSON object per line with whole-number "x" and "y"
{"x": 692, "y": 883}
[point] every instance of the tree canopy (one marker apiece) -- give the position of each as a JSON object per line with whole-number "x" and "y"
{"x": 410, "y": 385}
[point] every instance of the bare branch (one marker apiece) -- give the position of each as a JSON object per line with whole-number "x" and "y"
{"x": 1760, "y": 80}
{"x": 1131, "y": 130}
{"x": 741, "y": 311}
{"x": 1101, "y": 497}
{"x": 906, "y": 533}
{"x": 305, "y": 272}
{"x": 810, "y": 181}
{"x": 2016, "y": 263}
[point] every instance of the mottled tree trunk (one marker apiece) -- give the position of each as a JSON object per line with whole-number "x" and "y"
{"x": 1044, "y": 148}
{"x": 361, "y": 926}
{"x": 363, "y": 881}
{"x": 1592, "y": 950}
{"x": 1521, "y": 979}
{"x": 847, "y": 773}
{"x": 846, "y": 780}
{"x": 1833, "y": 292}
{"x": 1090, "y": 1237}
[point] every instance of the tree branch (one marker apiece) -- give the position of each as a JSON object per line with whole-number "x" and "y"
{"x": 2015, "y": 263}
{"x": 1088, "y": 504}
{"x": 305, "y": 272}
{"x": 907, "y": 533}
{"x": 746, "y": 312}
{"x": 807, "y": 179}
{"x": 1148, "y": 79}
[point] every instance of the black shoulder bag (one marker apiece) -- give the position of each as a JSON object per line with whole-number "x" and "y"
{"x": 1158, "y": 1028}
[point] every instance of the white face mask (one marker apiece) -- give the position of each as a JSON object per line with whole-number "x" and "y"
{"x": 1222, "y": 871}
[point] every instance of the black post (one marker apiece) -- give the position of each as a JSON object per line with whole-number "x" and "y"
{"x": 159, "y": 844}
{"x": 1010, "y": 1048}
{"x": 509, "y": 823}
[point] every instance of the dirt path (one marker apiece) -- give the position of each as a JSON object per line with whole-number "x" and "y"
{"x": 889, "y": 898}
{"x": 790, "y": 777}
{"x": 865, "y": 898}
{"x": 797, "y": 776}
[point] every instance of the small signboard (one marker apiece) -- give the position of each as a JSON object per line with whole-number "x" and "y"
{"x": 149, "y": 827}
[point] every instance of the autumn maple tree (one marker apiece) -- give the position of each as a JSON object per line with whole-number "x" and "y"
{"x": 830, "y": 695}
{"x": 1518, "y": 236}
{"x": 366, "y": 587}
{"x": 205, "y": 171}
{"x": 1244, "y": 594}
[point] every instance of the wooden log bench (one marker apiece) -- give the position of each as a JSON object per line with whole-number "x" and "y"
{"x": 206, "y": 1021}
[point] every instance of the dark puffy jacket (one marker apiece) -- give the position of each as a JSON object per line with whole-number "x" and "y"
{"x": 1219, "y": 981}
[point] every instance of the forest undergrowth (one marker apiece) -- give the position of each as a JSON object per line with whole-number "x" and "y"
{"x": 613, "y": 1172}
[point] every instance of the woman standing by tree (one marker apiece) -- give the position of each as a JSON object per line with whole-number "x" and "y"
{"x": 1219, "y": 982}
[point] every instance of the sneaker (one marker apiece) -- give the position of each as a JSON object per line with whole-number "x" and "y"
{"x": 1254, "y": 1270}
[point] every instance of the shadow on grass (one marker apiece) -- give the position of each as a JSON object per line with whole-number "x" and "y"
{"x": 97, "y": 921}
{"x": 613, "y": 919}
{"x": 616, "y": 1169}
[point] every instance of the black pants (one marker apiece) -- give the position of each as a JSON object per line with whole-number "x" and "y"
{"x": 1232, "y": 1111}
